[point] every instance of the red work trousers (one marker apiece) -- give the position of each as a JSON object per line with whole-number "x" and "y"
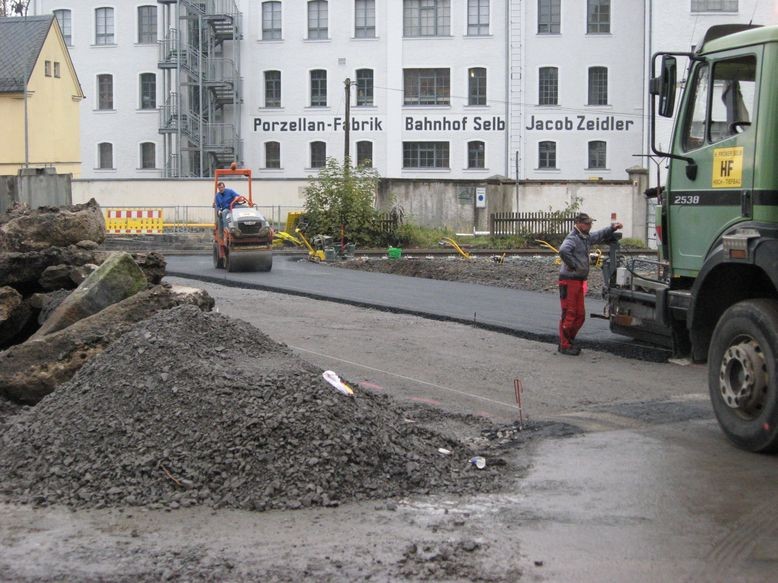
{"x": 571, "y": 295}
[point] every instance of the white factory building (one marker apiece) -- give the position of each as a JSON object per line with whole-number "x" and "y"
{"x": 449, "y": 89}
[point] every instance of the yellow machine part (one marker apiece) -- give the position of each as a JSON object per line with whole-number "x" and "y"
{"x": 547, "y": 245}
{"x": 455, "y": 245}
{"x": 292, "y": 219}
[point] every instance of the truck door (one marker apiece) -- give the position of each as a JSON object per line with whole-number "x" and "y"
{"x": 717, "y": 130}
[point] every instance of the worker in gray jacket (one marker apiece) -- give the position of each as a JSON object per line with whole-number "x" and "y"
{"x": 573, "y": 274}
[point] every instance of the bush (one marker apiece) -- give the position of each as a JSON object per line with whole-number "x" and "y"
{"x": 342, "y": 197}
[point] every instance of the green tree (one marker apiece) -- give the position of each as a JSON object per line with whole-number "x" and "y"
{"x": 342, "y": 196}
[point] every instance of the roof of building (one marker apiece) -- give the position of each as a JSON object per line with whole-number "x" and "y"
{"x": 21, "y": 41}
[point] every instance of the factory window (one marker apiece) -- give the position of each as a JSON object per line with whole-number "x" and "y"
{"x": 364, "y": 16}
{"x": 365, "y": 154}
{"x": 317, "y": 19}
{"x": 714, "y": 6}
{"x": 364, "y": 86}
{"x": 598, "y": 16}
{"x": 425, "y": 155}
{"x": 549, "y": 16}
{"x": 548, "y": 86}
{"x": 272, "y": 155}
{"x": 271, "y": 20}
{"x": 597, "y": 150}
{"x": 47, "y": 68}
{"x": 105, "y": 92}
{"x": 318, "y": 154}
{"x": 426, "y": 18}
{"x": 105, "y": 156}
{"x": 319, "y": 88}
{"x": 66, "y": 25}
{"x": 598, "y": 86}
{"x": 272, "y": 88}
{"x": 104, "y": 26}
{"x": 476, "y": 86}
{"x": 476, "y": 154}
{"x": 427, "y": 86}
{"x": 57, "y": 70}
{"x": 147, "y": 25}
{"x": 148, "y": 91}
{"x": 547, "y": 155}
{"x": 477, "y": 17}
{"x": 148, "y": 155}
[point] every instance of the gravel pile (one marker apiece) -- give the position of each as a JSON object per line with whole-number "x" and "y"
{"x": 524, "y": 272}
{"x": 197, "y": 408}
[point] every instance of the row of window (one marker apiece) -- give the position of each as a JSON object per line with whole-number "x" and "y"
{"x": 47, "y": 69}
{"x": 420, "y": 87}
{"x": 548, "y": 86}
{"x": 598, "y": 14}
{"x": 433, "y": 87}
{"x": 436, "y": 154}
{"x": 105, "y": 25}
{"x": 147, "y": 156}
{"x": 420, "y": 18}
{"x": 147, "y": 91}
{"x": 415, "y": 155}
{"x": 597, "y": 155}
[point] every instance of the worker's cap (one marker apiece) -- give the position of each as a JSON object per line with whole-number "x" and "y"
{"x": 583, "y": 218}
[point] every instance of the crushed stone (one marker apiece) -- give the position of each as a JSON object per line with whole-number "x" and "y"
{"x": 192, "y": 408}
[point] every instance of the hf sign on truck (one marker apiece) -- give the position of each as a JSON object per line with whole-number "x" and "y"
{"x": 728, "y": 167}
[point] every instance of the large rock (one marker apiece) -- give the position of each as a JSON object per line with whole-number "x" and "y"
{"x": 28, "y": 271}
{"x": 46, "y": 303}
{"x": 31, "y": 370}
{"x": 119, "y": 277}
{"x": 14, "y": 315}
{"x": 152, "y": 264}
{"x": 23, "y": 270}
{"x": 31, "y": 230}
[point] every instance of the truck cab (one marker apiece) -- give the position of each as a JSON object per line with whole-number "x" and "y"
{"x": 712, "y": 293}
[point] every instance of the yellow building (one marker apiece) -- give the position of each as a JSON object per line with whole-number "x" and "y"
{"x": 32, "y": 49}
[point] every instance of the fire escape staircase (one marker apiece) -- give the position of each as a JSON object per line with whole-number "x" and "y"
{"x": 202, "y": 122}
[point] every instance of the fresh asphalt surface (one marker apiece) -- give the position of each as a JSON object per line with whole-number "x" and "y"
{"x": 524, "y": 314}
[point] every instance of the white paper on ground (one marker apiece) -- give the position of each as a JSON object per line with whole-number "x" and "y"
{"x": 335, "y": 381}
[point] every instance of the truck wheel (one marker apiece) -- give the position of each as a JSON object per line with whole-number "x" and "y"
{"x": 742, "y": 374}
{"x": 218, "y": 262}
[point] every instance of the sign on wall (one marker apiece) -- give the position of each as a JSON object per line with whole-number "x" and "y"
{"x": 375, "y": 124}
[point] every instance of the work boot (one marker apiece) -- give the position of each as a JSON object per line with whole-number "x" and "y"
{"x": 569, "y": 351}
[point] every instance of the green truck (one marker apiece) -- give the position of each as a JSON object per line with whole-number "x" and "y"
{"x": 712, "y": 293}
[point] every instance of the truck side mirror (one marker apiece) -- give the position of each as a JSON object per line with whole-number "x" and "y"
{"x": 664, "y": 86}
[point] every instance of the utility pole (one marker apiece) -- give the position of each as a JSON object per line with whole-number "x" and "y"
{"x": 347, "y": 125}
{"x": 21, "y": 9}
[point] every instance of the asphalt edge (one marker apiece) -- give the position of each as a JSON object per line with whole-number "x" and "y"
{"x": 630, "y": 350}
